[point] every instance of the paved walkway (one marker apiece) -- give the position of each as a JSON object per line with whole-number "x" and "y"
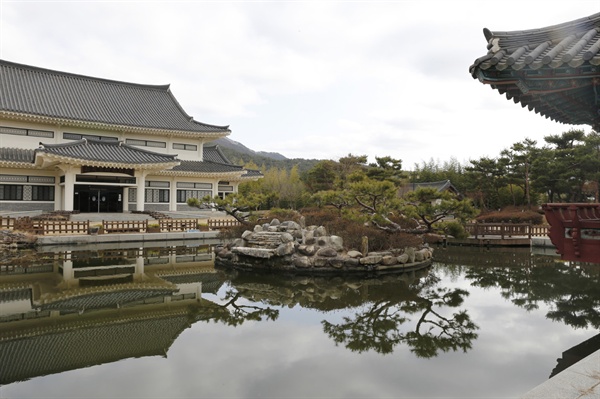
{"x": 580, "y": 381}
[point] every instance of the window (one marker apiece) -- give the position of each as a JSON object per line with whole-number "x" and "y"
{"x": 42, "y": 193}
{"x": 187, "y": 147}
{"x": 156, "y": 195}
{"x": 10, "y": 192}
{"x": 162, "y": 184}
{"x": 184, "y": 195}
{"x": 77, "y": 136}
{"x": 204, "y": 186}
{"x": 26, "y": 132}
{"x": 147, "y": 143}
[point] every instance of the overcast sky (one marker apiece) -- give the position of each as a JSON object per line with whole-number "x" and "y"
{"x": 308, "y": 79}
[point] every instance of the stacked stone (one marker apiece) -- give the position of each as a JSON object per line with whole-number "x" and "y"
{"x": 13, "y": 239}
{"x": 290, "y": 246}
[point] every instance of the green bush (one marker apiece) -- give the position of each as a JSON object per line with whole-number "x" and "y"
{"x": 453, "y": 228}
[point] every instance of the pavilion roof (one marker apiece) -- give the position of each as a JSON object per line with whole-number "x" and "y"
{"x": 554, "y": 71}
{"x": 70, "y": 99}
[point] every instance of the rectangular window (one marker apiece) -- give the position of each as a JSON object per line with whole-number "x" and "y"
{"x": 26, "y": 132}
{"x": 156, "y": 195}
{"x": 162, "y": 184}
{"x": 203, "y": 186}
{"x": 146, "y": 143}
{"x": 13, "y": 178}
{"x": 42, "y": 193}
{"x": 187, "y": 147}
{"x": 184, "y": 195}
{"x": 227, "y": 189}
{"x": 9, "y": 192}
{"x": 78, "y": 136}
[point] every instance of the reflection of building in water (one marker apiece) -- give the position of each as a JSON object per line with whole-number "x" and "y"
{"x": 77, "y": 309}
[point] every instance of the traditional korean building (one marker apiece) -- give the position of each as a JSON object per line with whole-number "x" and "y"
{"x": 74, "y": 142}
{"x": 555, "y": 72}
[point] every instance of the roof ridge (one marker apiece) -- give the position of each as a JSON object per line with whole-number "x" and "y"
{"x": 552, "y": 33}
{"x": 164, "y": 87}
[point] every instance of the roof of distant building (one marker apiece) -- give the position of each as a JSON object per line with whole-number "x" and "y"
{"x": 440, "y": 186}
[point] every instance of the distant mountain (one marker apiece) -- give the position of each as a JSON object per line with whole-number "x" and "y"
{"x": 239, "y": 154}
{"x": 242, "y": 149}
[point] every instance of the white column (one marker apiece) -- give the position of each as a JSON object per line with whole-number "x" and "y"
{"x": 69, "y": 194}
{"x": 140, "y": 176}
{"x": 173, "y": 196}
{"x": 215, "y": 188}
{"x": 58, "y": 195}
{"x": 125, "y": 199}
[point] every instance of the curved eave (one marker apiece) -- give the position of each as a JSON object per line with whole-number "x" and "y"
{"x": 45, "y": 160}
{"x": 18, "y": 165}
{"x": 217, "y": 175}
{"x": 110, "y": 127}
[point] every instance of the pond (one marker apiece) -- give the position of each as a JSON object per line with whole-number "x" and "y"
{"x": 162, "y": 322}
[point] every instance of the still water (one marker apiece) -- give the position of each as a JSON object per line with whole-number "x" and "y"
{"x": 162, "y": 322}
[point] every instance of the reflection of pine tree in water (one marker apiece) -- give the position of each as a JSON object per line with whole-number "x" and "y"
{"x": 573, "y": 293}
{"x": 383, "y": 304}
{"x": 234, "y": 314}
{"x": 377, "y": 327}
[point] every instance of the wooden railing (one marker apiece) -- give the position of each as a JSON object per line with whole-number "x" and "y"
{"x": 64, "y": 227}
{"x": 215, "y": 224}
{"x": 128, "y": 226}
{"x": 6, "y": 222}
{"x": 178, "y": 224}
{"x": 506, "y": 230}
{"x": 42, "y": 227}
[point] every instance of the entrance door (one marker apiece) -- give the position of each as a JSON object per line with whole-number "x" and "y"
{"x": 98, "y": 199}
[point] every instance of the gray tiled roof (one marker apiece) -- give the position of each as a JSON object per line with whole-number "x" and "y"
{"x": 16, "y": 155}
{"x": 550, "y": 70}
{"x": 440, "y": 186}
{"x": 205, "y": 167}
{"x": 105, "y": 151}
{"x": 44, "y": 92}
{"x": 213, "y": 153}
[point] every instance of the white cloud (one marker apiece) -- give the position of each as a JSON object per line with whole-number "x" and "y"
{"x": 284, "y": 74}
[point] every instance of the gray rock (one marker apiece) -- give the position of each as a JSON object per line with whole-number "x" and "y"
{"x": 302, "y": 262}
{"x": 337, "y": 243}
{"x": 371, "y": 260}
{"x": 323, "y": 241}
{"x": 389, "y": 260}
{"x": 309, "y": 237}
{"x": 258, "y": 228}
{"x": 320, "y": 231}
{"x": 248, "y": 233}
{"x": 286, "y": 237}
{"x": 354, "y": 254}
{"x": 403, "y": 258}
{"x": 320, "y": 262}
{"x": 285, "y": 249}
{"x": 275, "y": 222}
{"x": 262, "y": 253}
{"x": 327, "y": 252}
{"x": 308, "y": 250}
